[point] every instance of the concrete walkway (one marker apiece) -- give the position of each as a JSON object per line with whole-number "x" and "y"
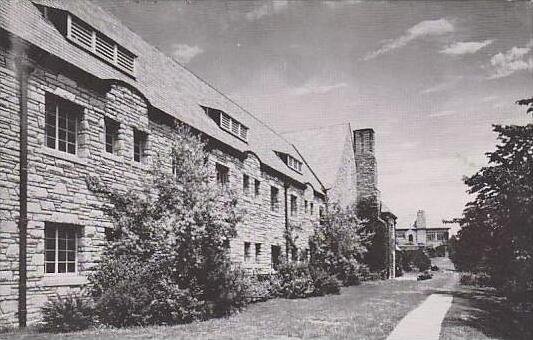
{"x": 424, "y": 322}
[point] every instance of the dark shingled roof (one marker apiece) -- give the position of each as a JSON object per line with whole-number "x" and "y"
{"x": 166, "y": 84}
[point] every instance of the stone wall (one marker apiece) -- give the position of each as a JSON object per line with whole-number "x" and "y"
{"x": 57, "y": 191}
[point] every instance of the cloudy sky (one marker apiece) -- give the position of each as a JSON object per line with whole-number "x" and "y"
{"x": 430, "y": 77}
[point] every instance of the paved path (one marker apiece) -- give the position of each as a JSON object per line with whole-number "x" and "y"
{"x": 425, "y": 321}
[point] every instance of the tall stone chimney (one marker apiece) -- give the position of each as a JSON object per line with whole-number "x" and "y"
{"x": 420, "y": 219}
{"x": 365, "y": 163}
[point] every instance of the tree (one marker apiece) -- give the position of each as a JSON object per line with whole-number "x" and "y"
{"x": 368, "y": 213}
{"x": 169, "y": 248}
{"x": 339, "y": 244}
{"x": 497, "y": 227}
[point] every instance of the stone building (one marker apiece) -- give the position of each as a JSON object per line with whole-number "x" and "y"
{"x": 420, "y": 236}
{"x": 81, "y": 94}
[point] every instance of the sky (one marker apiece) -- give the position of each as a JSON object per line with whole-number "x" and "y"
{"x": 430, "y": 77}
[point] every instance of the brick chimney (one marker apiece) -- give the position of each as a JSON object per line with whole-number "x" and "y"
{"x": 420, "y": 219}
{"x": 365, "y": 163}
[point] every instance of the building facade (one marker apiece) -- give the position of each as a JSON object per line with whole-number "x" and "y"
{"x": 420, "y": 236}
{"x": 81, "y": 95}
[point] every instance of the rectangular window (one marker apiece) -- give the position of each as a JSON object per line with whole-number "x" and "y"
{"x": 61, "y": 124}
{"x": 139, "y": 145}
{"x": 257, "y": 252}
{"x": 257, "y": 187}
{"x": 294, "y": 254}
{"x": 294, "y": 205}
{"x": 245, "y": 184}
{"x": 274, "y": 199}
{"x": 222, "y": 175}
{"x": 247, "y": 255}
{"x": 111, "y": 135}
{"x": 275, "y": 256}
{"x": 306, "y": 204}
{"x": 312, "y": 208}
{"x": 61, "y": 248}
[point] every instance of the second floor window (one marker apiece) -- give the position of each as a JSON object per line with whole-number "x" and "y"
{"x": 222, "y": 175}
{"x": 274, "y": 199}
{"x": 61, "y": 124}
{"x": 306, "y": 204}
{"x": 111, "y": 135}
{"x": 257, "y": 187}
{"x": 257, "y": 252}
{"x": 139, "y": 145}
{"x": 247, "y": 250}
{"x": 245, "y": 184}
{"x": 294, "y": 205}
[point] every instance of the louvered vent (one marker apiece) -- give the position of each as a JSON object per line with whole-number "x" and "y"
{"x": 232, "y": 126}
{"x": 88, "y": 38}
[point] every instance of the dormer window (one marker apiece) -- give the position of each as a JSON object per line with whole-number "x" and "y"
{"x": 228, "y": 123}
{"x": 294, "y": 164}
{"x": 88, "y": 38}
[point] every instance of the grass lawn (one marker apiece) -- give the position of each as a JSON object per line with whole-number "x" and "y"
{"x": 368, "y": 311}
{"x": 479, "y": 313}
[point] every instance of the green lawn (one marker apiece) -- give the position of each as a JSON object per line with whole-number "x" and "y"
{"x": 368, "y": 311}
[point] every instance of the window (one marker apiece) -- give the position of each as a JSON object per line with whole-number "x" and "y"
{"x": 431, "y": 236}
{"x": 111, "y": 135}
{"x": 306, "y": 204}
{"x": 222, "y": 175}
{"x": 247, "y": 255}
{"x": 442, "y": 236}
{"x": 61, "y": 248}
{"x": 274, "y": 199}
{"x": 233, "y": 126}
{"x": 294, "y": 254}
{"x": 86, "y": 37}
{"x": 312, "y": 208}
{"x": 411, "y": 238}
{"x": 294, "y": 164}
{"x": 139, "y": 145}
{"x": 275, "y": 256}
{"x": 257, "y": 252}
{"x": 61, "y": 124}
{"x": 257, "y": 187}
{"x": 294, "y": 205}
{"x": 245, "y": 184}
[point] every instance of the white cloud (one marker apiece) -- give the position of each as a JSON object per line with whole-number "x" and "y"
{"x": 275, "y": 6}
{"x": 185, "y": 53}
{"x": 470, "y": 47}
{"x": 422, "y": 29}
{"x": 443, "y": 86}
{"x": 340, "y": 3}
{"x": 444, "y": 113}
{"x": 314, "y": 88}
{"x": 514, "y": 60}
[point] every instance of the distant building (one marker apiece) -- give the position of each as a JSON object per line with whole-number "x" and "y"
{"x": 420, "y": 236}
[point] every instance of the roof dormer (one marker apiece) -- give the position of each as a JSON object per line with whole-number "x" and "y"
{"x": 228, "y": 123}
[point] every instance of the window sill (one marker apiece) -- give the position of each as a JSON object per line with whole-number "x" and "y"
{"x": 63, "y": 155}
{"x": 57, "y": 280}
{"x": 140, "y": 165}
{"x": 112, "y": 157}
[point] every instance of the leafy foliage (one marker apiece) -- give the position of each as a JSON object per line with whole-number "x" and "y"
{"x": 418, "y": 259}
{"x": 73, "y": 312}
{"x": 497, "y": 227}
{"x": 294, "y": 281}
{"x": 168, "y": 262}
{"x": 376, "y": 255}
{"x": 339, "y": 244}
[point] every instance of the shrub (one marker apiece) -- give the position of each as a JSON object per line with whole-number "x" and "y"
{"x": 294, "y": 281}
{"x": 338, "y": 245}
{"x": 260, "y": 288}
{"x": 73, "y": 312}
{"x": 424, "y": 276}
{"x": 475, "y": 279}
{"x": 434, "y": 268}
{"x": 415, "y": 258}
{"x": 324, "y": 283}
{"x": 129, "y": 293}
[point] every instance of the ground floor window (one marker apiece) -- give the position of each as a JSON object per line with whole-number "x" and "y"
{"x": 247, "y": 255}
{"x": 61, "y": 248}
{"x": 275, "y": 256}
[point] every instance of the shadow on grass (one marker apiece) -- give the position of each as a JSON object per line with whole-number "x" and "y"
{"x": 489, "y": 313}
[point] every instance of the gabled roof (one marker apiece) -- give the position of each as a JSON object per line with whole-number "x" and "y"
{"x": 323, "y": 148}
{"x": 166, "y": 84}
